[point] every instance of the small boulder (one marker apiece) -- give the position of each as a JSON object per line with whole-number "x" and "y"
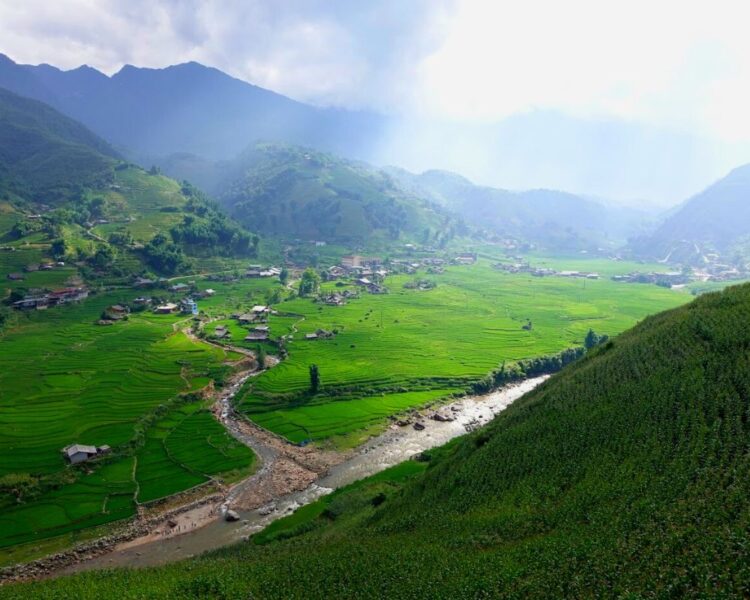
{"x": 418, "y": 426}
{"x": 231, "y": 516}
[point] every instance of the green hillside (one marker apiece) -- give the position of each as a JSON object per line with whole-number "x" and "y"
{"x": 294, "y": 192}
{"x": 47, "y": 156}
{"x": 550, "y": 219}
{"x": 626, "y": 475}
{"x": 713, "y": 222}
{"x": 66, "y": 196}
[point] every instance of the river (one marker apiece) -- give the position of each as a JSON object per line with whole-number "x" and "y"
{"x": 390, "y": 448}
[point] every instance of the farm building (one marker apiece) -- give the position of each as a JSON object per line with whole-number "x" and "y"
{"x": 466, "y": 258}
{"x": 320, "y": 334}
{"x": 179, "y": 287}
{"x": 117, "y": 311}
{"x": 141, "y": 282}
{"x": 15, "y": 276}
{"x": 78, "y": 453}
{"x": 258, "y": 334}
{"x": 221, "y": 332}
{"x": 165, "y": 309}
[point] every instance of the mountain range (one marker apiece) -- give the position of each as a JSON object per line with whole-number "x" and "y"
{"x": 187, "y": 108}
{"x": 150, "y": 113}
{"x": 715, "y": 221}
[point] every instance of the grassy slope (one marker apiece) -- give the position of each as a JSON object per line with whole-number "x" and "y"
{"x": 300, "y": 193}
{"x": 626, "y": 475}
{"x": 436, "y": 340}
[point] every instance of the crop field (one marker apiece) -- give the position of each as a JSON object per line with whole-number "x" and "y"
{"x": 440, "y": 339}
{"x": 183, "y": 450}
{"x": 65, "y": 380}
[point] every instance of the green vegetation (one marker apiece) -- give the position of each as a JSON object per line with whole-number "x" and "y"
{"x": 625, "y": 475}
{"x": 430, "y": 343}
{"x": 296, "y": 192}
{"x": 65, "y": 380}
{"x": 45, "y": 156}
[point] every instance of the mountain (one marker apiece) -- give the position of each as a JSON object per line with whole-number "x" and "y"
{"x": 151, "y": 113}
{"x": 47, "y": 155}
{"x": 625, "y": 475}
{"x": 187, "y": 108}
{"x": 549, "y": 218}
{"x": 715, "y": 221}
{"x": 64, "y": 192}
{"x": 296, "y": 192}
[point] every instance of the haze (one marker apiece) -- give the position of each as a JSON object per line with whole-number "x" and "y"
{"x": 632, "y": 101}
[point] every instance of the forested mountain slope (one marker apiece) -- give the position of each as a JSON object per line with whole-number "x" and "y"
{"x": 550, "y": 218}
{"x": 625, "y": 475}
{"x": 715, "y": 221}
{"x": 187, "y": 108}
{"x": 296, "y": 192}
{"x": 46, "y": 155}
{"x": 66, "y": 194}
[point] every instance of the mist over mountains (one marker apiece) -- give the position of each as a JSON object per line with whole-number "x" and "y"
{"x": 192, "y": 108}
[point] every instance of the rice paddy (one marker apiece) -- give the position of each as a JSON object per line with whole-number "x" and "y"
{"x": 65, "y": 380}
{"x": 431, "y": 343}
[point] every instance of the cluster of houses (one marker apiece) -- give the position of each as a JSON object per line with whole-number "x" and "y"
{"x": 523, "y": 267}
{"x": 33, "y": 268}
{"x": 366, "y": 272}
{"x": 669, "y": 279}
{"x": 257, "y": 321}
{"x": 255, "y": 271}
{"x": 45, "y": 300}
{"x": 338, "y": 298}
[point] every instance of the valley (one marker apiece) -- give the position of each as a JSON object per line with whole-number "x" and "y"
{"x": 258, "y": 345}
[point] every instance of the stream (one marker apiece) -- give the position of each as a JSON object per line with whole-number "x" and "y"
{"x": 395, "y": 445}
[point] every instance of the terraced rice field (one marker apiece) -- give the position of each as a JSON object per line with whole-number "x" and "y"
{"x": 438, "y": 340}
{"x": 65, "y": 380}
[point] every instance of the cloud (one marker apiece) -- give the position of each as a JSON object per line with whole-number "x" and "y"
{"x": 677, "y": 63}
{"x": 326, "y": 52}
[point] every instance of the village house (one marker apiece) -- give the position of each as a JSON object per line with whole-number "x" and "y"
{"x": 188, "y": 306}
{"x": 221, "y": 332}
{"x": 320, "y": 334}
{"x": 165, "y": 309}
{"x": 78, "y": 453}
{"x": 466, "y": 258}
{"x": 142, "y": 282}
{"x": 179, "y": 287}
{"x": 117, "y": 312}
{"x": 15, "y": 276}
{"x": 258, "y": 334}
{"x": 334, "y": 299}
{"x": 54, "y": 298}
{"x": 142, "y": 301}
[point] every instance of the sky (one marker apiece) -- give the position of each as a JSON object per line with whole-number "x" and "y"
{"x": 681, "y": 66}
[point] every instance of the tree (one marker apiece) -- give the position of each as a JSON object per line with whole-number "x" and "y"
{"x": 310, "y": 282}
{"x": 59, "y": 248}
{"x": 284, "y": 276}
{"x": 260, "y": 356}
{"x": 314, "y": 379}
{"x": 591, "y": 340}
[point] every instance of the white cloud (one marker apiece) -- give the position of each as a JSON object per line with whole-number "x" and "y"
{"x": 677, "y": 63}
{"x": 681, "y": 64}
